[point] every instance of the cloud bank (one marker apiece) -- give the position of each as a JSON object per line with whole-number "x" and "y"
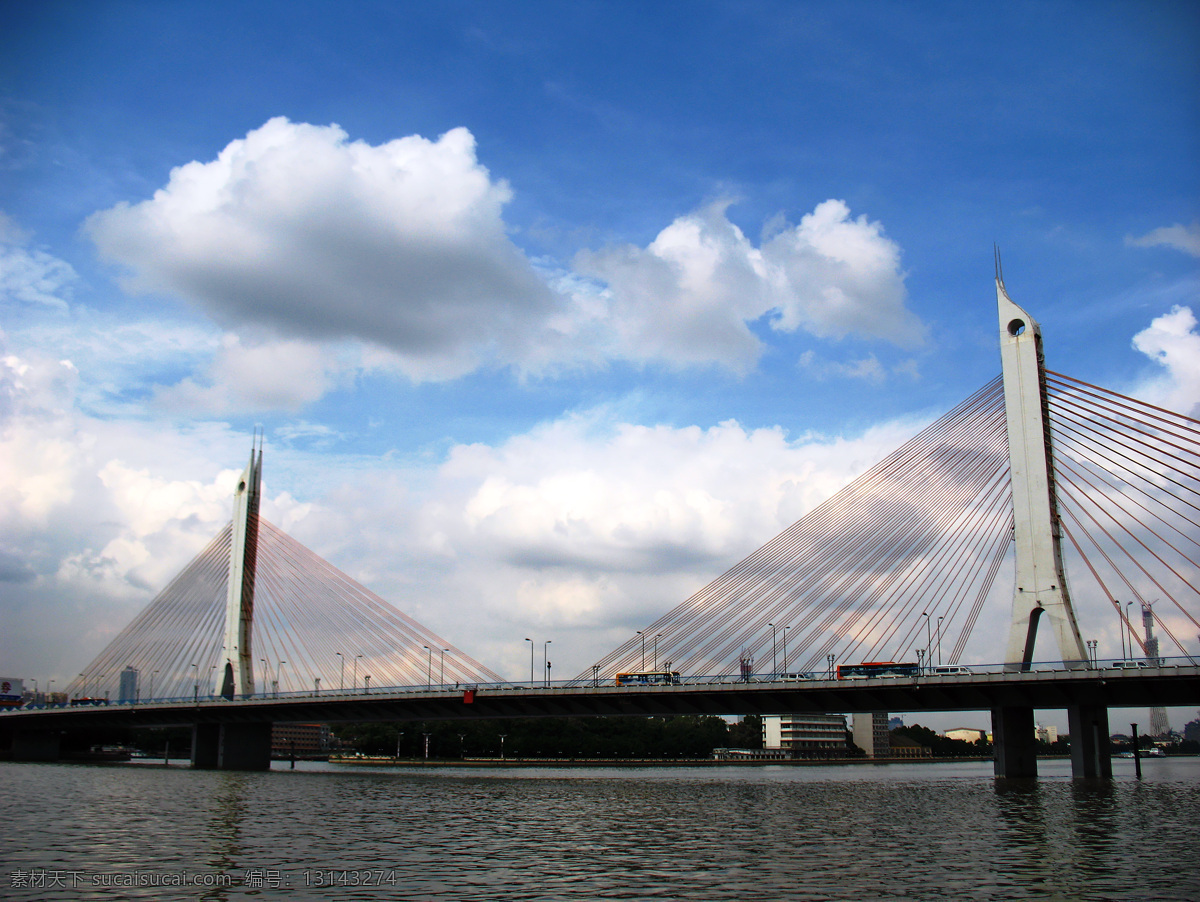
{"x": 299, "y": 234}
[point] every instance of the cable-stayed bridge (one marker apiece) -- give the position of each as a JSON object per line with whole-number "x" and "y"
{"x": 1036, "y": 471}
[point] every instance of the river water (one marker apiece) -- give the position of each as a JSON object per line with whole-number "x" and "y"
{"x": 897, "y": 831}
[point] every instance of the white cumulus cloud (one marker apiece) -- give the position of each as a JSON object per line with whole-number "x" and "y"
{"x": 1172, "y": 342}
{"x": 298, "y": 228}
{"x": 691, "y": 294}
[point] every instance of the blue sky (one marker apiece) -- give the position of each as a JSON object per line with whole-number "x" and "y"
{"x": 525, "y": 293}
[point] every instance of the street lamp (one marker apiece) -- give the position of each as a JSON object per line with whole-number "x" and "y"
{"x": 928, "y": 635}
{"x": 1128, "y": 605}
{"x": 657, "y": 636}
{"x": 774, "y": 658}
{"x": 428, "y": 667}
{"x": 279, "y": 676}
{"x": 643, "y": 635}
{"x": 546, "y": 660}
{"x": 342, "y": 676}
{"x": 196, "y": 684}
{"x": 151, "y": 693}
{"x": 442, "y": 668}
{"x": 354, "y": 674}
{"x": 785, "y": 667}
{"x": 939, "y": 640}
{"x": 530, "y": 641}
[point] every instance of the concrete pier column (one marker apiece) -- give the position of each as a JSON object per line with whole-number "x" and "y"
{"x": 1090, "y": 755}
{"x": 231, "y": 746}
{"x": 1014, "y": 743}
{"x": 35, "y": 746}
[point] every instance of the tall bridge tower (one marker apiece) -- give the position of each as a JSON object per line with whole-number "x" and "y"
{"x": 1041, "y": 587}
{"x": 237, "y": 674}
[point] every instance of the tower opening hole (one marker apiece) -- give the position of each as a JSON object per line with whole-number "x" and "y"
{"x": 1016, "y": 327}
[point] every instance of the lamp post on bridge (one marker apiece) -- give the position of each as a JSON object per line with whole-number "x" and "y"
{"x": 657, "y": 636}
{"x": 354, "y": 674}
{"x": 920, "y": 660}
{"x": 643, "y": 635}
{"x": 267, "y": 675}
{"x": 928, "y": 637}
{"x": 342, "y": 675}
{"x": 428, "y": 667}
{"x": 939, "y": 640}
{"x": 785, "y": 667}
{"x": 151, "y": 692}
{"x": 196, "y": 684}
{"x": 774, "y": 658}
{"x": 1128, "y": 605}
{"x": 531, "y": 683}
{"x": 442, "y": 667}
{"x": 546, "y": 661}
{"x": 279, "y": 677}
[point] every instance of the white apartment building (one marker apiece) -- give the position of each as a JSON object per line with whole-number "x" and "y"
{"x": 805, "y": 735}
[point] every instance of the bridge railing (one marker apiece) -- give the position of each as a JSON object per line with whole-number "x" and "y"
{"x": 1103, "y": 666}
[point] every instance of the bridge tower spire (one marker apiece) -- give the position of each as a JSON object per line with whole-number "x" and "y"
{"x": 1041, "y": 587}
{"x": 238, "y": 671}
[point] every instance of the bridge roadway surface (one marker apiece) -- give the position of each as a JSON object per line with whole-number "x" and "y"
{"x": 1103, "y": 687}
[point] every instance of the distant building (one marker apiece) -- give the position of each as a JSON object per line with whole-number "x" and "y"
{"x": 871, "y": 734}
{"x": 805, "y": 735}
{"x": 127, "y": 690}
{"x": 1046, "y": 734}
{"x": 751, "y": 754}
{"x": 301, "y": 739}
{"x": 966, "y": 734}
{"x": 904, "y": 747}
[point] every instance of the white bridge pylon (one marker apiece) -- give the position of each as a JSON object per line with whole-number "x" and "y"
{"x": 1041, "y": 587}
{"x": 237, "y": 671}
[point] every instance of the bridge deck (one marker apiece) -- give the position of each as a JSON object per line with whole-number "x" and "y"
{"x": 1109, "y": 688}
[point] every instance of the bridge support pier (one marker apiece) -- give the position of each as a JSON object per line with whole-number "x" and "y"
{"x": 1088, "y": 728}
{"x": 231, "y": 746}
{"x": 36, "y": 746}
{"x": 1014, "y": 743}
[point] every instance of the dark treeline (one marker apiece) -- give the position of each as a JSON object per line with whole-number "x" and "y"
{"x": 685, "y": 736}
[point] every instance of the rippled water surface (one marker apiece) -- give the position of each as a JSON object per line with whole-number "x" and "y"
{"x": 899, "y": 831}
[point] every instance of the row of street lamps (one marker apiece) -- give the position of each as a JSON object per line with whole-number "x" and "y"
{"x": 545, "y": 661}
